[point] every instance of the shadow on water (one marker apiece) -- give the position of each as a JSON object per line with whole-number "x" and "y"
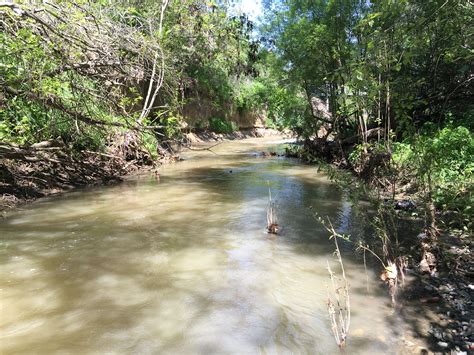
{"x": 183, "y": 265}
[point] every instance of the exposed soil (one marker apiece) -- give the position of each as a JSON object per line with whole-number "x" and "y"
{"x": 26, "y": 180}
{"x": 46, "y": 168}
{"x": 208, "y": 136}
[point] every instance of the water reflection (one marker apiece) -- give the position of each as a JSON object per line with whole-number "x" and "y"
{"x": 183, "y": 265}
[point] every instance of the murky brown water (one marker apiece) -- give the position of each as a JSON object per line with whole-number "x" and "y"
{"x": 183, "y": 265}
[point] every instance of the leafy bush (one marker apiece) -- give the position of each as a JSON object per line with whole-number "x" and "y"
{"x": 356, "y": 154}
{"x": 441, "y": 160}
{"x": 22, "y": 122}
{"x": 213, "y": 82}
{"x": 150, "y": 144}
{"x": 252, "y": 95}
{"x": 220, "y": 125}
{"x": 91, "y": 139}
{"x": 445, "y": 163}
{"x": 361, "y": 152}
{"x": 172, "y": 126}
{"x": 401, "y": 153}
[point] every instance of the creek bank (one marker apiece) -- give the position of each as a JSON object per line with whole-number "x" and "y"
{"x": 48, "y": 168}
{"x": 256, "y": 132}
{"x": 442, "y": 295}
{"x": 444, "y": 300}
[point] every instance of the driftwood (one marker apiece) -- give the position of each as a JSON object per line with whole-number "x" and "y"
{"x": 204, "y": 149}
{"x": 16, "y": 153}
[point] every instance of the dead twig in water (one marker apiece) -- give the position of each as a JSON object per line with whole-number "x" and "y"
{"x": 393, "y": 268}
{"x": 203, "y": 149}
{"x": 339, "y": 306}
{"x": 272, "y": 221}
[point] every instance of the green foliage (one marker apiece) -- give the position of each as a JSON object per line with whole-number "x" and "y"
{"x": 252, "y": 95}
{"x": 401, "y": 67}
{"x": 24, "y": 122}
{"x": 445, "y": 163}
{"x": 150, "y": 144}
{"x": 90, "y": 138}
{"x": 356, "y": 155}
{"x": 220, "y": 125}
{"x": 283, "y": 107}
{"x": 60, "y": 78}
{"x": 172, "y": 126}
{"x": 288, "y": 109}
{"x": 214, "y": 82}
{"x": 401, "y": 153}
{"x": 441, "y": 160}
{"x": 62, "y": 81}
{"x": 376, "y": 60}
{"x": 213, "y": 51}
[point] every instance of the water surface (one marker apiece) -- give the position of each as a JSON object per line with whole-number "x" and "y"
{"x": 183, "y": 265}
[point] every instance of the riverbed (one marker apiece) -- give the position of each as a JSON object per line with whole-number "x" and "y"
{"x": 181, "y": 263}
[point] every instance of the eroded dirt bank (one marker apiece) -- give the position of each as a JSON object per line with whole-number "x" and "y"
{"x": 31, "y": 172}
{"x": 207, "y": 136}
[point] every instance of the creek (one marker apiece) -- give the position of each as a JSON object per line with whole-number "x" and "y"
{"x": 183, "y": 264}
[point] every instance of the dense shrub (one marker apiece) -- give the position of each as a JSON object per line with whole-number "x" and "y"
{"x": 220, "y": 125}
{"x": 445, "y": 161}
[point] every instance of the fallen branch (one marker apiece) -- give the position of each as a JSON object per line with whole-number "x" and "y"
{"x": 203, "y": 149}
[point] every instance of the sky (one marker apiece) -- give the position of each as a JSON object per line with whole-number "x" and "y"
{"x": 252, "y": 7}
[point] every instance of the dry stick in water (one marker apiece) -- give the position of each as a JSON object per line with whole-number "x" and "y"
{"x": 339, "y": 309}
{"x": 393, "y": 269}
{"x": 366, "y": 274}
{"x": 272, "y": 222}
{"x": 203, "y": 149}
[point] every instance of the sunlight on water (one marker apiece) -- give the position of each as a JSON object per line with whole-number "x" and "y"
{"x": 182, "y": 265}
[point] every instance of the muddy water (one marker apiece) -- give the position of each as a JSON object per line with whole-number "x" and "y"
{"x": 183, "y": 265}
